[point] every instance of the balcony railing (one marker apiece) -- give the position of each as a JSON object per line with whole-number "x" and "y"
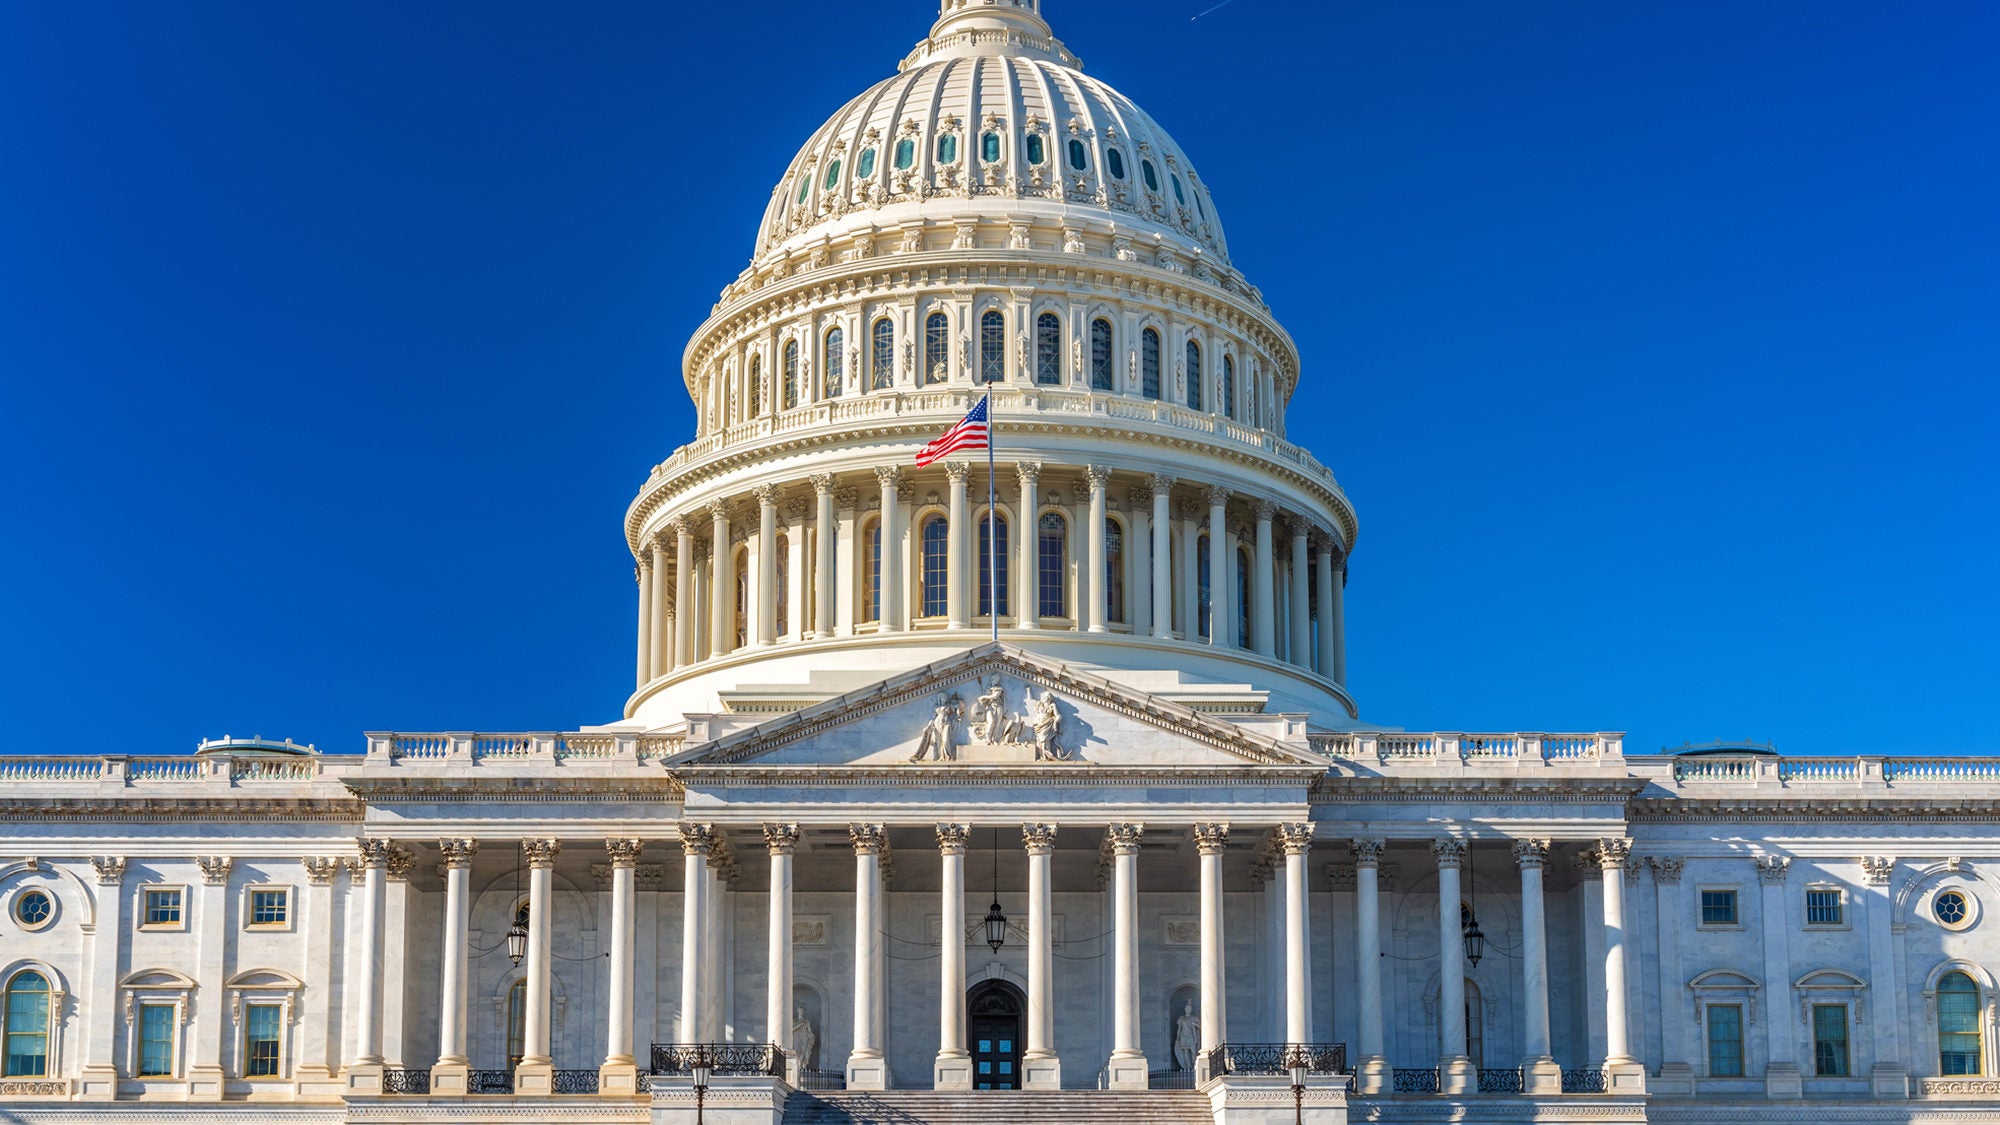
{"x": 1500, "y": 1081}
{"x": 1413, "y": 1080}
{"x": 1585, "y": 1080}
{"x": 1277, "y": 1058}
{"x": 822, "y": 1080}
{"x": 489, "y": 1082}
{"x": 738, "y": 1059}
{"x": 1391, "y": 749}
{"x": 406, "y": 1081}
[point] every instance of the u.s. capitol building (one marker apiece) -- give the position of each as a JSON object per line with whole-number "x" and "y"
{"x": 923, "y": 809}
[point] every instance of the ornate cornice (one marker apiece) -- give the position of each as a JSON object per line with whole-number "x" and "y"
{"x": 234, "y": 809}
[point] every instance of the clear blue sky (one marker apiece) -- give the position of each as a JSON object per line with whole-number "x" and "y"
{"x": 1657, "y": 344}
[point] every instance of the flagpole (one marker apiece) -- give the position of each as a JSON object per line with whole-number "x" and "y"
{"x": 992, "y": 540}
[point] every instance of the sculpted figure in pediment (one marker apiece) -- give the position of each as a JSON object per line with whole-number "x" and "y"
{"x": 1046, "y": 721}
{"x": 935, "y": 743}
{"x": 991, "y": 722}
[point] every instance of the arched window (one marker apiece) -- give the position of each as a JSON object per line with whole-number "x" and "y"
{"x": 992, "y": 346}
{"x": 1100, "y": 355}
{"x": 1193, "y": 375}
{"x": 791, "y": 398}
{"x": 742, "y": 596}
{"x": 756, "y": 386}
{"x": 805, "y": 188}
{"x": 1048, "y": 350}
{"x": 517, "y": 1022}
{"x": 937, "y": 347}
{"x": 836, "y": 357}
{"x": 1114, "y": 571}
{"x": 1205, "y": 586}
{"x": 1475, "y": 1025}
{"x": 936, "y": 541}
{"x": 28, "y": 1025}
{"x": 1242, "y": 598}
{"x": 1958, "y": 1025}
{"x": 992, "y": 559}
{"x": 1149, "y": 363}
{"x": 1052, "y": 551}
{"x": 784, "y": 597}
{"x": 882, "y": 356}
{"x": 1229, "y": 386}
{"x": 1180, "y": 196}
{"x": 871, "y": 571}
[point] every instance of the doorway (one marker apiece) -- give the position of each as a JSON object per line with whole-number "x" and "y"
{"x": 993, "y": 1015}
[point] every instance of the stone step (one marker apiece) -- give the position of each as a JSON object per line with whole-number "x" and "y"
{"x": 996, "y": 1107}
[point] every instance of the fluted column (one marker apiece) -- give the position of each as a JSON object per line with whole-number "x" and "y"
{"x": 1539, "y": 1072}
{"x": 619, "y": 1073}
{"x": 765, "y": 604}
{"x": 646, "y": 639}
{"x": 890, "y": 477}
{"x": 1335, "y": 628}
{"x": 1221, "y": 600}
{"x": 368, "y": 1005}
{"x": 1187, "y": 593}
{"x": 1027, "y": 615}
{"x": 823, "y": 554}
{"x": 1371, "y": 1070}
{"x": 1263, "y": 592}
{"x": 953, "y": 1070}
{"x": 696, "y": 841}
{"x": 958, "y": 575}
{"x": 781, "y": 840}
{"x": 1040, "y": 1068}
{"x": 662, "y": 632}
{"x": 1211, "y": 840}
{"x": 1163, "y": 564}
{"x": 1098, "y": 586}
{"x": 535, "y": 1074}
{"x": 449, "y": 1075}
{"x": 721, "y": 582}
{"x": 1297, "y": 841}
{"x": 1323, "y": 574}
{"x": 684, "y": 614}
{"x": 1127, "y": 1069}
{"x": 866, "y": 1067}
{"x": 1298, "y": 650}
{"x": 1455, "y": 1072}
{"x": 1623, "y": 1074}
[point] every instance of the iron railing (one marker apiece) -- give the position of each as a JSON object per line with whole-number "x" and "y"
{"x": 1418, "y": 1080}
{"x": 822, "y": 1080}
{"x": 1176, "y": 1079}
{"x": 720, "y": 1058}
{"x": 575, "y": 1082}
{"x": 1589, "y": 1080}
{"x": 1500, "y": 1081}
{"x": 1277, "y": 1058}
{"x": 398, "y": 1080}
{"x": 489, "y": 1082}
{"x": 645, "y": 1082}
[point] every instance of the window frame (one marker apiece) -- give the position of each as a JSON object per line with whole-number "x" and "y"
{"x": 50, "y": 1034}
{"x": 1196, "y": 392}
{"x": 176, "y": 1025}
{"x": 992, "y": 347}
{"x": 1966, "y": 895}
{"x": 1115, "y": 606}
{"x": 1103, "y": 367}
{"x": 144, "y": 913}
{"x": 1149, "y": 363}
{"x": 1735, "y": 892}
{"x": 1846, "y": 1041}
{"x": 868, "y": 603}
{"x": 19, "y": 899}
{"x": 882, "y": 355}
{"x": 995, "y": 582}
{"x": 833, "y": 369}
{"x": 1978, "y": 1032}
{"x": 790, "y": 391}
{"x": 1052, "y": 577}
{"x": 1840, "y": 920}
{"x": 937, "y": 347}
{"x": 933, "y": 566}
{"x": 282, "y": 1056}
{"x": 1709, "y": 1040}
{"x": 1048, "y": 355}
{"x": 249, "y": 908}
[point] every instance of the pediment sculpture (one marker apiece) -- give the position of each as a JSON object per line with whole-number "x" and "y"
{"x": 992, "y": 732}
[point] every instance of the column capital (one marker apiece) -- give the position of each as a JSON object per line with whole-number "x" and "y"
{"x": 1139, "y": 497}
{"x": 1666, "y": 869}
{"x": 1448, "y": 852}
{"x": 1611, "y": 853}
{"x": 320, "y": 870}
{"x": 1585, "y": 860}
{"x": 1096, "y": 476}
{"x": 1264, "y": 510}
{"x": 215, "y": 868}
{"x": 1531, "y": 853}
{"x": 624, "y": 850}
{"x": 1029, "y": 472}
{"x": 643, "y": 562}
{"x": 1300, "y": 528}
{"x": 458, "y": 853}
{"x": 400, "y": 863}
{"x": 1367, "y": 853}
{"x": 796, "y": 509}
{"x": 679, "y": 525}
{"x": 373, "y": 852}
{"x": 822, "y": 483}
{"x": 697, "y": 839}
{"x": 781, "y": 839}
{"x": 1212, "y": 837}
{"x": 766, "y": 494}
{"x": 1040, "y": 839}
{"x": 1295, "y": 838}
{"x": 110, "y": 869}
{"x": 1217, "y": 496}
{"x": 869, "y": 839}
{"x": 958, "y": 471}
{"x": 1876, "y": 870}
{"x": 1124, "y": 838}
{"x": 888, "y": 476}
{"x": 1162, "y": 483}
{"x": 951, "y": 838}
{"x": 720, "y": 510}
{"x": 541, "y": 851}
{"x": 1772, "y": 869}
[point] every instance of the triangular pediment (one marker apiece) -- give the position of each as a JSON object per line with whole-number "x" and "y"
{"x": 997, "y": 705}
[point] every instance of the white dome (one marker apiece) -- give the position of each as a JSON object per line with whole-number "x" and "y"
{"x": 990, "y": 113}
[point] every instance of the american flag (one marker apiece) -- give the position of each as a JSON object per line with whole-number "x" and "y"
{"x": 971, "y": 432}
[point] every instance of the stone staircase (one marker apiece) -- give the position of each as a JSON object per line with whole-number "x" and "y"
{"x": 997, "y": 1107}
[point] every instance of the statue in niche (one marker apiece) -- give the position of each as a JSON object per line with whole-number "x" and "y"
{"x": 989, "y": 713}
{"x": 805, "y": 1040}
{"x": 1046, "y": 721}
{"x": 1187, "y": 1037}
{"x": 935, "y": 743}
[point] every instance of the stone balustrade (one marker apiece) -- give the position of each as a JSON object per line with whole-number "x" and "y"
{"x": 1397, "y": 751}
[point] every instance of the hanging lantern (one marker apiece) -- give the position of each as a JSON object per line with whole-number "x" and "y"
{"x": 996, "y": 926}
{"x": 1475, "y": 941}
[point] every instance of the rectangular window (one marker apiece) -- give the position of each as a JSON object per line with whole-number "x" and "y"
{"x": 1830, "y": 1040}
{"x": 261, "y": 1024}
{"x": 1718, "y": 908}
{"x": 270, "y": 908}
{"x": 156, "y": 1040}
{"x": 1725, "y": 1040}
{"x": 1823, "y": 906}
{"x": 1052, "y": 575}
{"x": 1958, "y": 1025}
{"x": 163, "y": 907}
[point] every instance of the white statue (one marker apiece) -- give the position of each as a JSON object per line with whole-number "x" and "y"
{"x": 989, "y": 712}
{"x": 1187, "y": 1037}
{"x": 1046, "y": 721}
{"x": 805, "y": 1041}
{"x": 936, "y": 740}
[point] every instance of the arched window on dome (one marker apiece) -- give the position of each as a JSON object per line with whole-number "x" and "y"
{"x": 1100, "y": 355}
{"x": 1193, "y": 375}
{"x": 937, "y": 348}
{"x": 1149, "y": 363}
{"x": 1079, "y": 156}
{"x": 1048, "y": 350}
{"x": 1114, "y": 571}
{"x": 517, "y": 1022}
{"x": 882, "y": 356}
{"x": 1151, "y": 177}
{"x": 993, "y": 563}
{"x": 834, "y": 363}
{"x": 989, "y": 148}
{"x": 1204, "y": 589}
{"x": 791, "y": 396}
{"x": 833, "y": 175}
{"x": 992, "y": 346}
{"x": 865, "y": 166}
{"x": 871, "y": 571}
{"x": 1114, "y": 163}
{"x": 1037, "y": 149}
{"x": 1052, "y": 574}
{"x": 906, "y": 154}
{"x": 947, "y": 148}
{"x": 27, "y": 1014}
{"x": 742, "y": 596}
{"x": 756, "y": 386}
{"x": 1180, "y": 196}
{"x": 1958, "y": 1009}
{"x": 1229, "y": 386}
{"x": 1243, "y": 570}
{"x": 805, "y": 189}
{"x": 935, "y": 571}
{"x": 783, "y": 609}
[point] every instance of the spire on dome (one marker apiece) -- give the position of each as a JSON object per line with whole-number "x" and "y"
{"x": 1016, "y": 15}
{"x": 991, "y": 27}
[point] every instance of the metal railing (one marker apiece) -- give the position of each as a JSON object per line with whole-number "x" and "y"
{"x": 489, "y": 1082}
{"x": 1277, "y": 1058}
{"x": 1505, "y": 1080}
{"x": 1585, "y": 1080}
{"x": 1175, "y": 1079}
{"x": 575, "y": 1082}
{"x": 720, "y": 1058}
{"x": 822, "y": 1080}
{"x": 399, "y": 1080}
{"x": 1413, "y": 1080}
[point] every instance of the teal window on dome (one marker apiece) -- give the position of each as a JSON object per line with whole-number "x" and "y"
{"x": 1152, "y": 178}
{"x": 1180, "y": 196}
{"x": 906, "y": 154}
{"x": 865, "y": 167}
{"x": 937, "y": 347}
{"x": 805, "y": 186}
{"x": 1048, "y": 350}
{"x": 833, "y": 175}
{"x": 989, "y": 148}
{"x": 1114, "y": 163}
{"x": 1149, "y": 363}
{"x": 1079, "y": 157}
{"x": 1193, "y": 375}
{"x": 947, "y": 149}
{"x": 835, "y": 358}
{"x": 1037, "y": 149}
{"x": 882, "y": 356}
{"x": 1199, "y": 209}
{"x": 1100, "y": 355}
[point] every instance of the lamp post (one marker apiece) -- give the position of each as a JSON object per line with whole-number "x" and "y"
{"x": 699, "y": 1068}
{"x": 996, "y": 922}
{"x": 1297, "y": 1063}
